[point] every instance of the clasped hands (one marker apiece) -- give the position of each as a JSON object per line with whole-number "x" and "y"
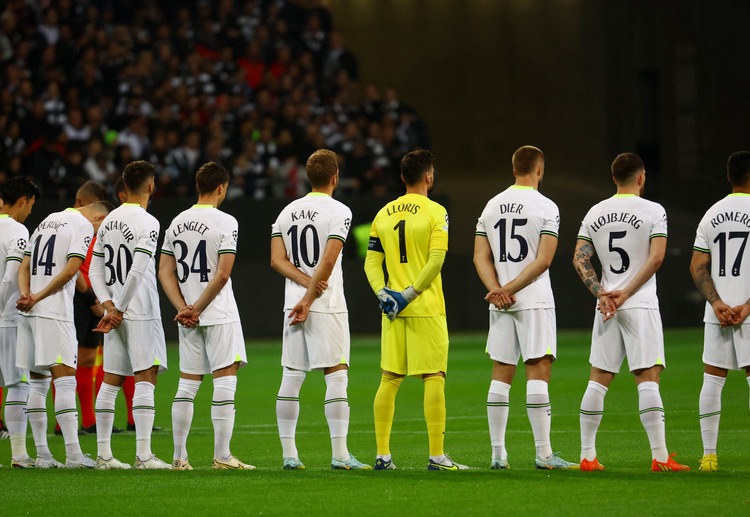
{"x": 730, "y": 316}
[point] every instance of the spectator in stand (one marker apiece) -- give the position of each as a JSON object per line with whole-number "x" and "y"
{"x": 178, "y": 81}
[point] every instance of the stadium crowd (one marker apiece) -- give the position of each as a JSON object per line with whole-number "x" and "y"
{"x": 88, "y": 86}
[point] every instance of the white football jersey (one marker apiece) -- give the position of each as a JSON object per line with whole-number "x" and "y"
{"x": 14, "y": 238}
{"x": 61, "y": 236}
{"x": 723, "y": 232}
{"x": 306, "y": 224}
{"x": 127, "y": 230}
{"x": 621, "y": 229}
{"x": 513, "y": 222}
{"x": 196, "y": 238}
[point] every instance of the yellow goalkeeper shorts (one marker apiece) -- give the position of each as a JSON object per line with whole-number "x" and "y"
{"x": 413, "y": 346}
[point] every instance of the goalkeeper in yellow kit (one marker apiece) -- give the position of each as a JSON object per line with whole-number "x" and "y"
{"x": 411, "y": 235}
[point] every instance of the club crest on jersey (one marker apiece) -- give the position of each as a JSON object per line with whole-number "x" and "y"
{"x": 21, "y": 243}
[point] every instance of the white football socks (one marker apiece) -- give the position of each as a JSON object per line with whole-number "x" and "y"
{"x": 592, "y": 409}
{"x": 15, "y": 418}
{"x": 540, "y": 415}
{"x": 337, "y": 412}
{"x": 709, "y": 409}
{"x": 652, "y": 418}
{"x": 105, "y": 419}
{"x": 287, "y": 410}
{"x": 222, "y": 414}
{"x": 182, "y": 416}
{"x": 67, "y": 415}
{"x": 36, "y": 408}
{"x": 497, "y": 416}
{"x": 143, "y": 416}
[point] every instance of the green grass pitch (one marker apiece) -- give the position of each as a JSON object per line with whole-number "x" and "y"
{"x": 626, "y": 487}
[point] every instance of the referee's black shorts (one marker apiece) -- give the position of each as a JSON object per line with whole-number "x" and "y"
{"x": 85, "y": 321}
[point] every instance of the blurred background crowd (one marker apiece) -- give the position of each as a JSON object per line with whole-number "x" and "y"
{"x": 87, "y": 86}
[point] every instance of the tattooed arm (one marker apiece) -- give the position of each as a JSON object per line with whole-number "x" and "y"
{"x": 700, "y": 270}
{"x": 582, "y": 263}
{"x": 587, "y": 273}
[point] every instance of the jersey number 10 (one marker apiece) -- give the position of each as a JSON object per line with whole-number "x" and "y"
{"x": 300, "y": 249}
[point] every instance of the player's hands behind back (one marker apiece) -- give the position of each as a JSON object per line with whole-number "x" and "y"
{"x": 111, "y": 320}
{"x": 393, "y": 302}
{"x": 188, "y": 317}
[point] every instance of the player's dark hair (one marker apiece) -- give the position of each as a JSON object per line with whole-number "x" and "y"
{"x": 626, "y": 166}
{"x": 136, "y": 175}
{"x": 119, "y": 189}
{"x": 415, "y": 165}
{"x": 738, "y": 168}
{"x": 17, "y": 188}
{"x": 210, "y": 176}
{"x": 527, "y": 159}
{"x": 91, "y": 191}
{"x": 321, "y": 166}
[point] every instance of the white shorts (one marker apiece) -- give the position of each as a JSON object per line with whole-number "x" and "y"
{"x": 135, "y": 346}
{"x": 635, "y": 333}
{"x": 44, "y": 342}
{"x": 726, "y": 347}
{"x": 206, "y": 349}
{"x": 530, "y": 334}
{"x": 9, "y": 373}
{"x": 320, "y": 342}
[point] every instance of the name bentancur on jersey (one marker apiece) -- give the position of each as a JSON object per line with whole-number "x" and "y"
{"x": 117, "y": 225}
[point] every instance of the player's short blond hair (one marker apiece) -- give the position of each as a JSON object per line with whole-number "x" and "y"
{"x": 527, "y": 159}
{"x": 322, "y": 165}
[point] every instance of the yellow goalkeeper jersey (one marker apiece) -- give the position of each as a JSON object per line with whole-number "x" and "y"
{"x": 405, "y": 230}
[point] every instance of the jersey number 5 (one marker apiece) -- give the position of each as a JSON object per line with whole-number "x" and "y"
{"x": 623, "y": 254}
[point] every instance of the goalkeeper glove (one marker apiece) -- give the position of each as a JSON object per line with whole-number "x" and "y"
{"x": 392, "y": 302}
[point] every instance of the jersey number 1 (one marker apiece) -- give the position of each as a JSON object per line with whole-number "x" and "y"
{"x": 401, "y": 228}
